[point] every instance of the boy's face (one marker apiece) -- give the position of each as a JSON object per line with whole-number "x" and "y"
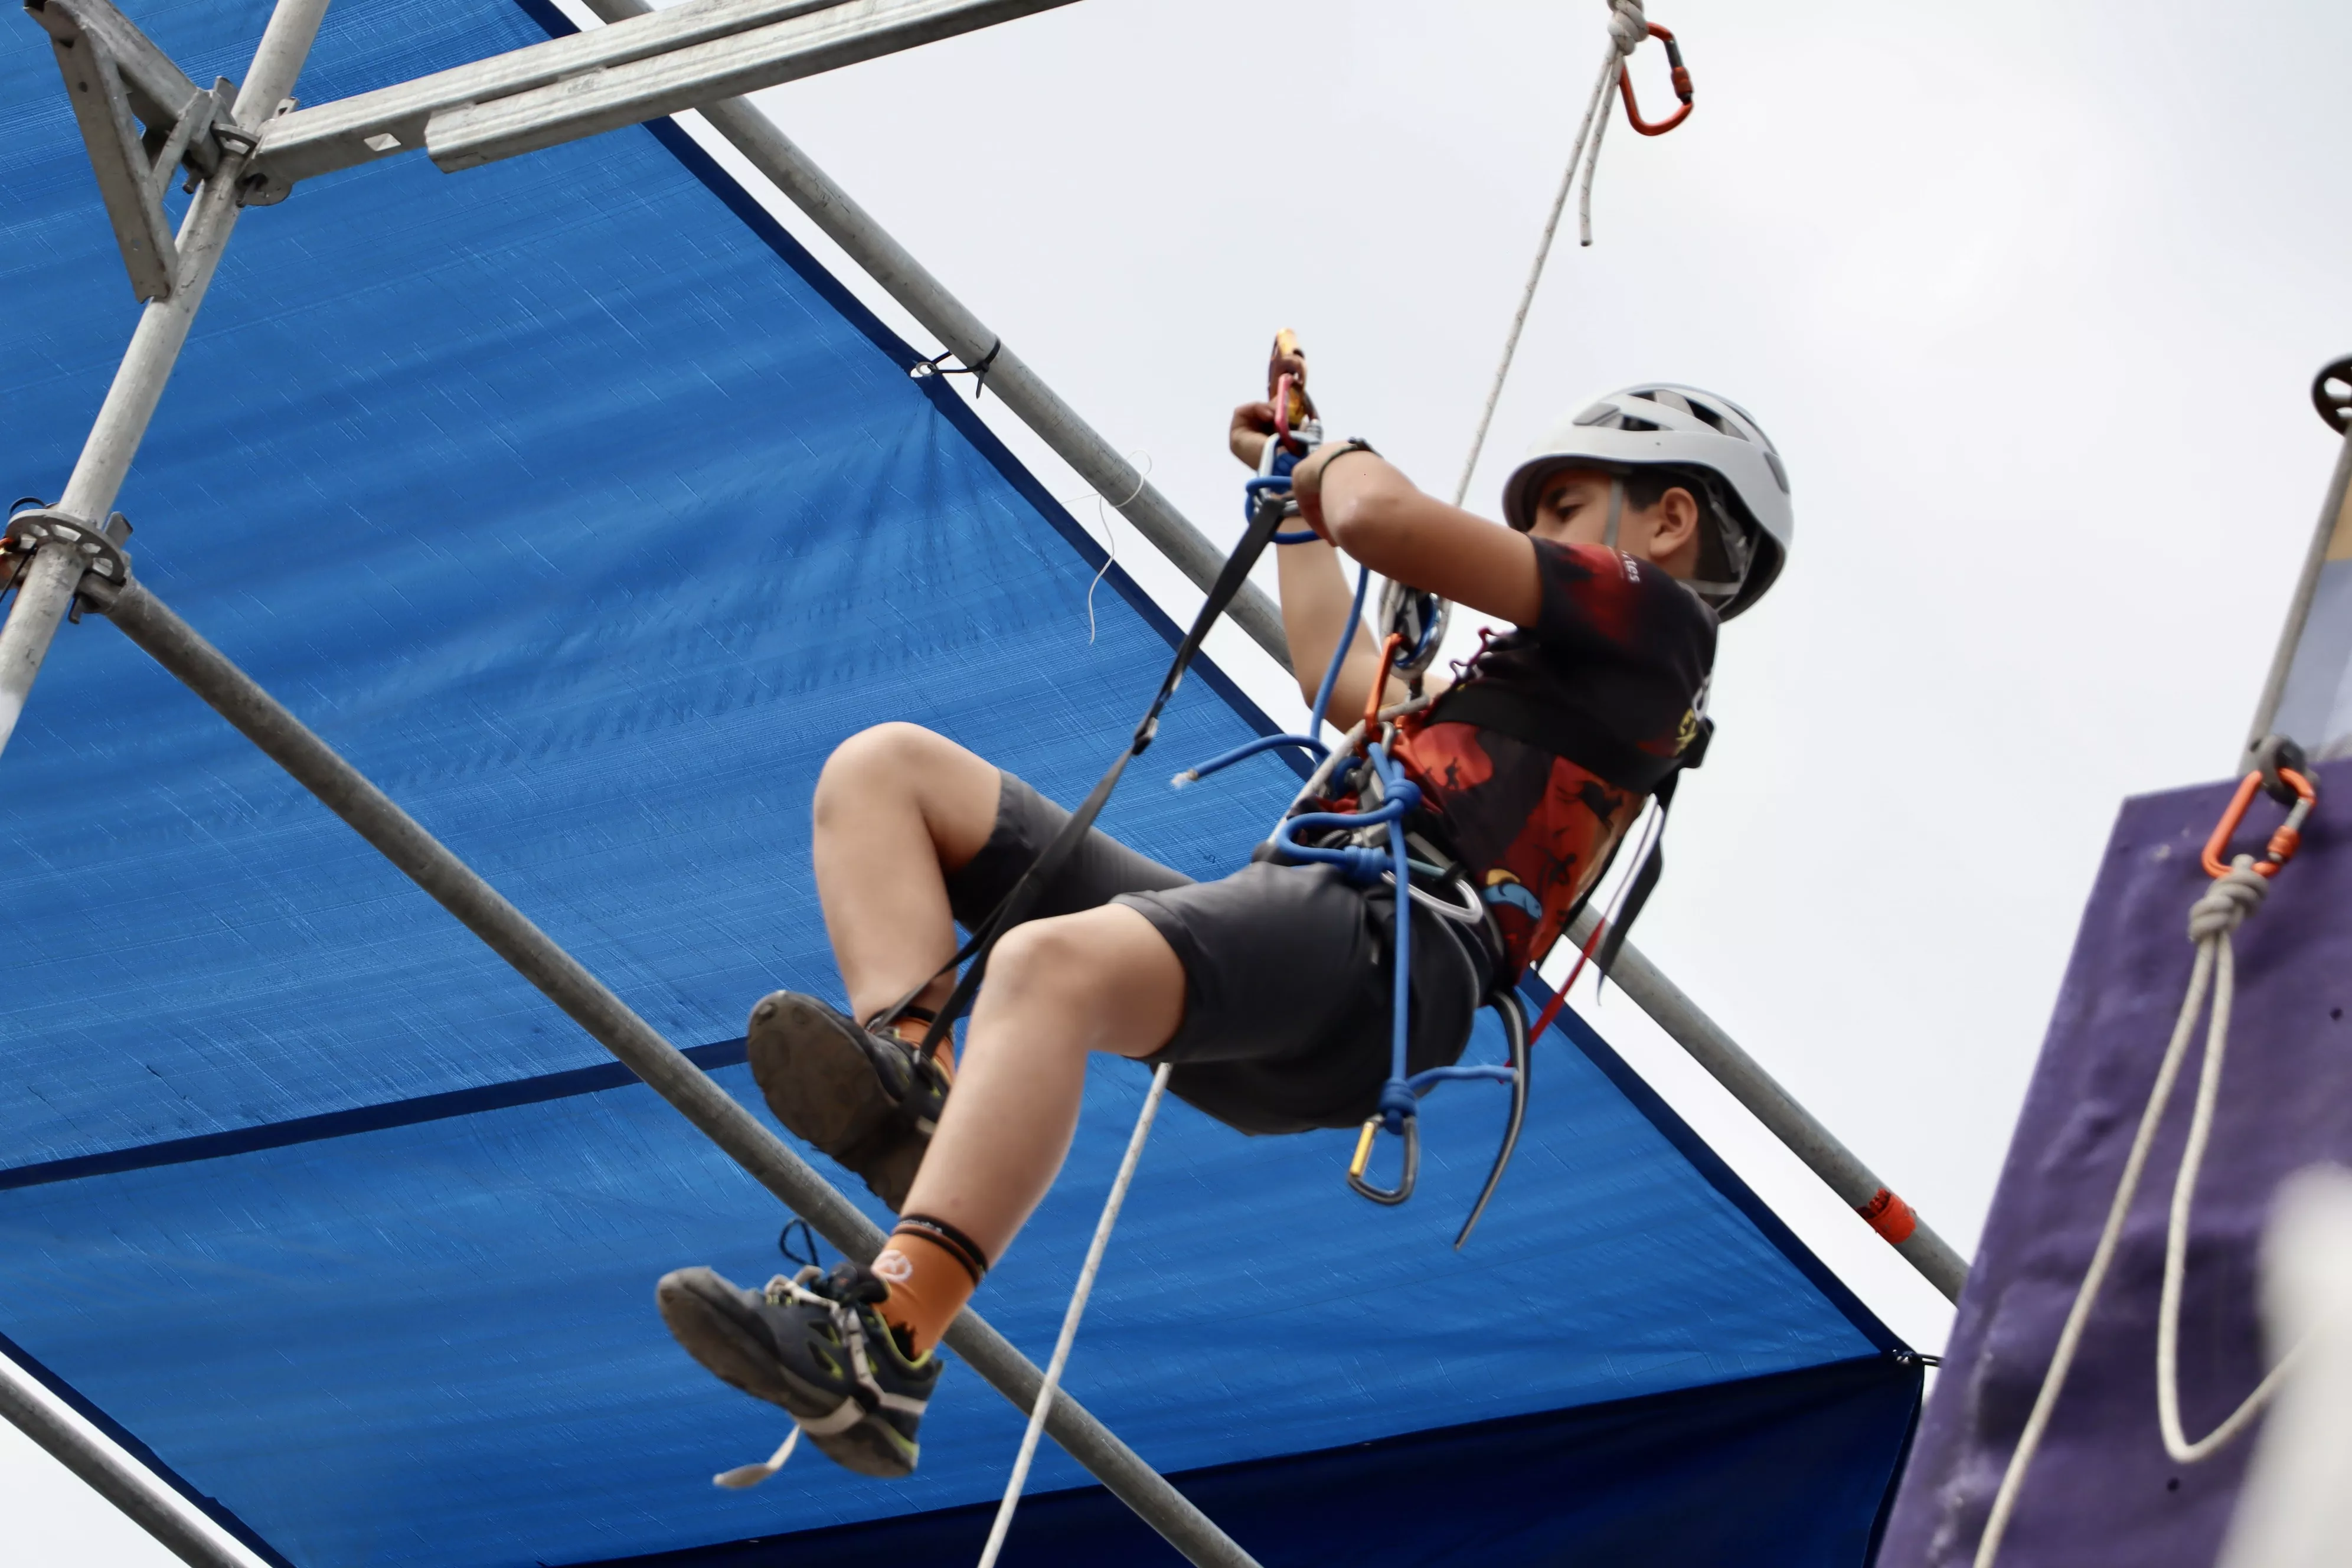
{"x": 1572, "y": 508}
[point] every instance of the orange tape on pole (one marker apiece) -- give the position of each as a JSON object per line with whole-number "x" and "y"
{"x": 1890, "y": 1216}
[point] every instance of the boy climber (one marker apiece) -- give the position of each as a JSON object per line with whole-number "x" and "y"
{"x": 1633, "y": 528}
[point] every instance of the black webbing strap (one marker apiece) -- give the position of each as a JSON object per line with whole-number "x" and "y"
{"x": 1645, "y": 879}
{"x": 1015, "y": 905}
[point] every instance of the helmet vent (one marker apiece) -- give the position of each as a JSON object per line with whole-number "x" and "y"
{"x": 1717, "y": 423}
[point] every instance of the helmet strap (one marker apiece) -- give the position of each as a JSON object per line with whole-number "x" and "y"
{"x": 1616, "y": 512}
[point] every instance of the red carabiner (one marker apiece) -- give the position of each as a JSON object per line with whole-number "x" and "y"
{"x": 1682, "y": 87}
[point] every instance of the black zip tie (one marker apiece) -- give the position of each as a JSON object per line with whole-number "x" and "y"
{"x": 938, "y": 365}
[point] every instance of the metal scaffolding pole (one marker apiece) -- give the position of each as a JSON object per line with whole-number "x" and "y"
{"x": 1757, "y": 1089}
{"x": 147, "y": 1501}
{"x": 2332, "y": 518}
{"x": 1119, "y": 483}
{"x": 46, "y": 590}
{"x": 563, "y": 980}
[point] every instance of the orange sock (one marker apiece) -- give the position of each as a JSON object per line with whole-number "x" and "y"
{"x": 931, "y": 1268}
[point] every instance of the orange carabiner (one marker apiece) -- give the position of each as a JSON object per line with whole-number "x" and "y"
{"x": 2283, "y": 843}
{"x": 1380, "y": 689}
{"x": 1682, "y": 87}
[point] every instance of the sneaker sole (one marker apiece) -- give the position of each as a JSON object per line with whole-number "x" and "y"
{"x": 702, "y": 1313}
{"x": 818, "y": 1083}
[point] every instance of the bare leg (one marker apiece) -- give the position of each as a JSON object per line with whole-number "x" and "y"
{"x": 1103, "y": 980}
{"x": 897, "y": 809}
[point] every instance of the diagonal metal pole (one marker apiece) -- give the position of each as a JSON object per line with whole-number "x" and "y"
{"x": 2334, "y": 519}
{"x": 1705, "y": 1040}
{"x": 143, "y": 1499}
{"x": 561, "y": 977}
{"x": 1101, "y": 465}
{"x": 46, "y": 590}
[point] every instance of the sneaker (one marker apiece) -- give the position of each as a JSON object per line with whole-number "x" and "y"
{"x": 864, "y": 1096}
{"x": 815, "y": 1345}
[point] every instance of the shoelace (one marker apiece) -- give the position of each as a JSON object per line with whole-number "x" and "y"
{"x": 792, "y": 1291}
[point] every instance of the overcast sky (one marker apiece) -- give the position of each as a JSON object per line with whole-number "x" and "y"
{"x": 2030, "y": 298}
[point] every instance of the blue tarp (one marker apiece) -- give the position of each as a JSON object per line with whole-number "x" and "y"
{"x": 576, "y": 505}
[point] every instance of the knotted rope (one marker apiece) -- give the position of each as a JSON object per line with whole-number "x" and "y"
{"x": 1627, "y": 29}
{"x": 2237, "y": 892}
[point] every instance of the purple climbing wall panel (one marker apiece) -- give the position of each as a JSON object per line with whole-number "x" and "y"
{"x": 2102, "y": 1490}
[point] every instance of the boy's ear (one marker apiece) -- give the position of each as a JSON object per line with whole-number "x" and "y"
{"x": 1677, "y": 522}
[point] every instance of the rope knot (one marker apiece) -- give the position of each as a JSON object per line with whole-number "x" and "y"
{"x": 2235, "y": 894}
{"x": 1627, "y": 24}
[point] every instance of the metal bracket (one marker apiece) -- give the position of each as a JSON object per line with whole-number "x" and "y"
{"x": 140, "y": 119}
{"x": 106, "y": 567}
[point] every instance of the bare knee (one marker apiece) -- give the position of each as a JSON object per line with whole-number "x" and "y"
{"x": 909, "y": 775}
{"x": 886, "y": 758}
{"x": 1046, "y": 966}
{"x": 1101, "y": 980}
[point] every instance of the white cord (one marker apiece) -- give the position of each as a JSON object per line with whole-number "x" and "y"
{"x": 1585, "y": 133}
{"x": 1077, "y": 1307}
{"x": 1110, "y": 537}
{"x": 2211, "y": 919}
{"x": 2176, "y": 1247}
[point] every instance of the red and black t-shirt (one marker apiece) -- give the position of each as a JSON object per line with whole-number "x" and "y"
{"x": 1536, "y": 762}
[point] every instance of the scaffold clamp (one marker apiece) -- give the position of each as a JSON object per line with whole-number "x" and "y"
{"x": 106, "y": 567}
{"x": 141, "y": 118}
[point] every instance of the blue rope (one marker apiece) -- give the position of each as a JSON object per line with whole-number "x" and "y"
{"x": 1274, "y": 482}
{"x": 1339, "y": 653}
{"x": 1246, "y": 750}
{"x": 1398, "y": 1098}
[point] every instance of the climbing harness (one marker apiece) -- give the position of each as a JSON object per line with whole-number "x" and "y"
{"x": 2239, "y": 886}
{"x": 1627, "y": 28}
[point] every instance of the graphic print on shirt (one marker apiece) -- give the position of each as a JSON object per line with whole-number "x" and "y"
{"x": 1608, "y": 681}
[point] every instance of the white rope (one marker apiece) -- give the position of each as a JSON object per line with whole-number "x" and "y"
{"x": 2233, "y": 896}
{"x": 2175, "y": 1236}
{"x": 1627, "y": 29}
{"x": 1095, "y": 1249}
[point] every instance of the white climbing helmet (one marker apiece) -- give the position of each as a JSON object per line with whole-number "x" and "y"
{"x": 1661, "y": 423}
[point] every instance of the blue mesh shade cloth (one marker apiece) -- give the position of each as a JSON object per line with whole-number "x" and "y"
{"x": 577, "y": 506}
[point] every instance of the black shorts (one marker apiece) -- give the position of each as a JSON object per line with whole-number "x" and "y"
{"x": 1286, "y": 994}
